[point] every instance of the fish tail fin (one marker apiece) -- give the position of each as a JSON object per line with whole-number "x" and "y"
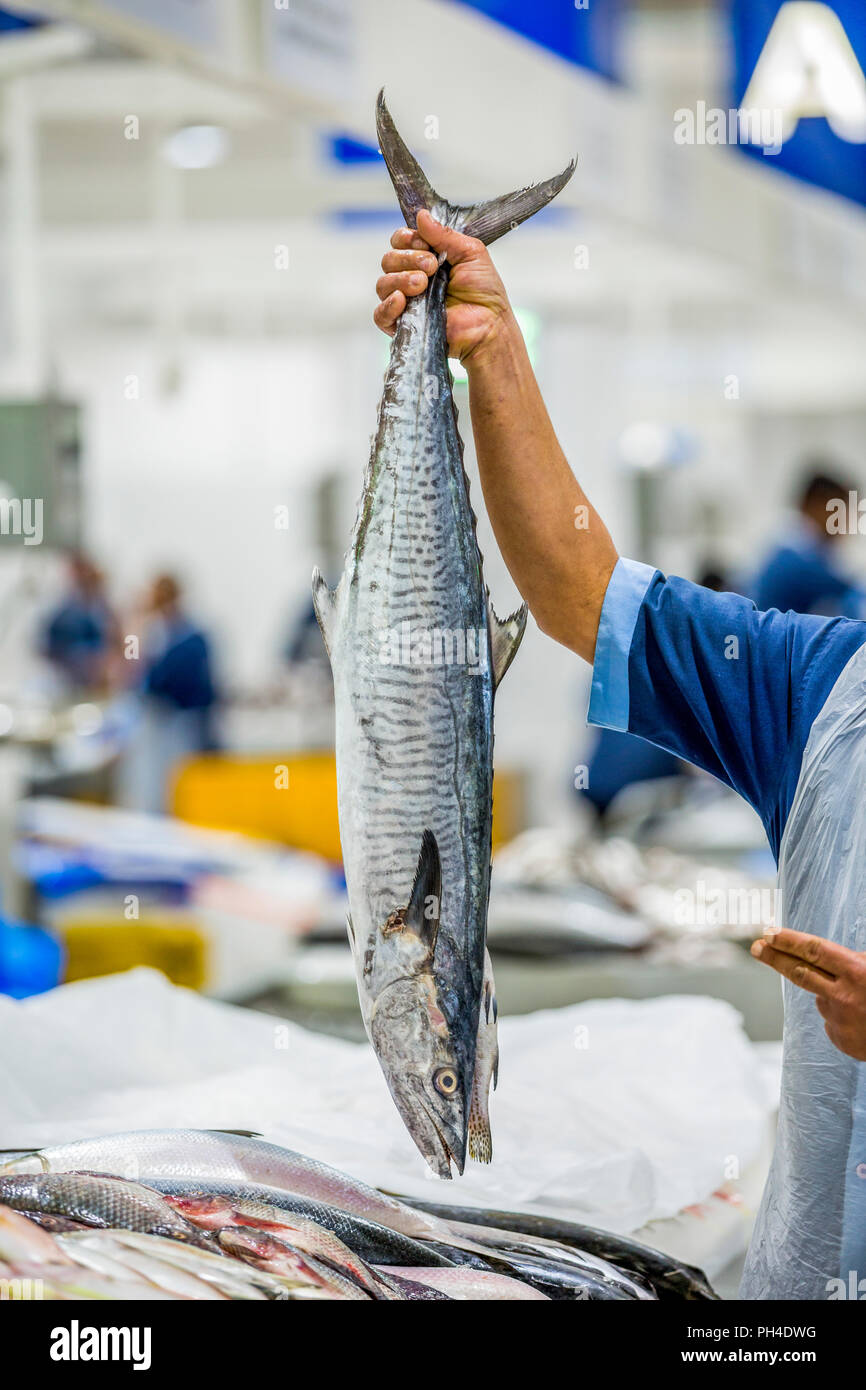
{"x": 411, "y": 185}
{"x": 486, "y": 220}
{"x": 490, "y": 220}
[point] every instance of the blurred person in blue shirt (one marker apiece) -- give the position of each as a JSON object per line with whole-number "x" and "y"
{"x": 177, "y": 699}
{"x": 800, "y": 572}
{"x": 304, "y": 639}
{"x": 178, "y": 674}
{"x": 78, "y": 635}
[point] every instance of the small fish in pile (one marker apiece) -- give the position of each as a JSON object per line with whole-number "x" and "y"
{"x": 210, "y": 1215}
{"x": 94, "y": 1201}
{"x": 670, "y": 1278}
{"x": 473, "y": 1284}
{"x": 218, "y": 1212}
{"x": 266, "y": 1251}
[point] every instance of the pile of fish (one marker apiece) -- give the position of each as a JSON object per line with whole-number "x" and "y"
{"x": 210, "y": 1214}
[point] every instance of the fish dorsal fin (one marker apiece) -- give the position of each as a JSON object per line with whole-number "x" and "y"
{"x": 422, "y": 913}
{"x": 325, "y": 604}
{"x": 487, "y": 220}
{"x": 506, "y": 635}
{"x": 241, "y": 1133}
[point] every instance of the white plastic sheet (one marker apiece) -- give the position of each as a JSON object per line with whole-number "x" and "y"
{"x": 612, "y": 1112}
{"x": 810, "y": 1234}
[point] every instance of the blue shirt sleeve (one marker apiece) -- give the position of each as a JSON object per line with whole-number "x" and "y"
{"x": 713, "y": 680}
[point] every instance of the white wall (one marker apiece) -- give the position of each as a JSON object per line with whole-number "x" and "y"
{"x": 191, "y": 480}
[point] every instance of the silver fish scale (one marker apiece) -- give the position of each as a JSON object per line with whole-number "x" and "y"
{"x": 414, "y": 742}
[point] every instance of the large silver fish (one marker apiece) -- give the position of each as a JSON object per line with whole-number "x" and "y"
{"x": 417, "y": 653}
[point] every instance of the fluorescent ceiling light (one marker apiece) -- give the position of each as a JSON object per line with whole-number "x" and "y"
{"x": 647, "y": 446}
{"x": 196, "y": 146}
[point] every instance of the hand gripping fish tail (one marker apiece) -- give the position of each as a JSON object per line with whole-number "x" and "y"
{"x": 417, "y": 653}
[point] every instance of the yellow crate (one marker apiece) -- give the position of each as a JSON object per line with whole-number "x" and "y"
{"x": 106, "y": 947}
{"x": 292, "y": 798}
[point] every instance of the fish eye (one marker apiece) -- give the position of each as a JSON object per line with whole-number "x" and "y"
{"x": 445, "y": 1081}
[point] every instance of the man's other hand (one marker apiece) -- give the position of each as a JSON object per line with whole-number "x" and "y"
{"x": 835, "y": 975}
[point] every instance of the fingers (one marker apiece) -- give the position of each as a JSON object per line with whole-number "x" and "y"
{"x": 828, "y": 956}
{"x": 407, "y": 282}
{"x": 795, "y": 969}
{"x": 386, "y": 314}
{"x": 405, "y": 237}
{"x": 456, "y": 246}
{"x": 423, "y": 262}
{"x": 407, "y": 270}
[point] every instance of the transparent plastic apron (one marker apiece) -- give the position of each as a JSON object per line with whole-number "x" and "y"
{"x": 811, "y": 1227}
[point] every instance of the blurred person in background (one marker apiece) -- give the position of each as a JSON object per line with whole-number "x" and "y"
{"x": 304, "y": 639}
{"x": 78, "y": 635}
{"x": 177, "y": 698}
{"x": 800, "y": 572}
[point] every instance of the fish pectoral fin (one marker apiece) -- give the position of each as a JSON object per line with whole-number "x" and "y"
{"x": 506, "y": 634}
{"x": 422, "y": 913}
{"x": 325, "y": 604}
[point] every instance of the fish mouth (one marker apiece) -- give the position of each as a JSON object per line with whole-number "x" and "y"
{"x": 438, "y": 1150}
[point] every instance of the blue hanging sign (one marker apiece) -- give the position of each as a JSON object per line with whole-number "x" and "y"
{"x": 801, "y": 66}
{"x": 585, "y": 32}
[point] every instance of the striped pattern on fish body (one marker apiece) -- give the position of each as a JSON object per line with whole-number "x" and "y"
{"x": 416, "y": 654}
{"x": 414, "y": 741}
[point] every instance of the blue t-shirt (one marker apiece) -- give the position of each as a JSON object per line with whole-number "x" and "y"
{"x": 710, "y": 678}
{"x": 800, "y": 574}
{"x": 181, "y": 674}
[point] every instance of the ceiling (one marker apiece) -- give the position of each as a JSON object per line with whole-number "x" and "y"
{"x": 103, "y": 236}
